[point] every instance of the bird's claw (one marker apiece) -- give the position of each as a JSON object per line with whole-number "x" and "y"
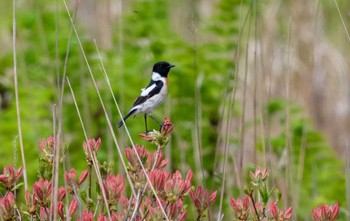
{"x": 148, "y": 131}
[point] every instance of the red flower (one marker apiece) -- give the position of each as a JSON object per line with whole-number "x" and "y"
{"x": 7, "y": 207}
{"x": 150, "y": 135}
{"x": 274, "y": 211}
{"x": 279, "y": 215}
{"x": 325, "y": 212}
{"x": 42, "y": 190}
{"x": 47, "y": 147}
{"x": 177, "y": 212}
{"x": 167, "y": 127}
{"x": 285, "y": 215}
{"x": 73, "y": 207}
{"x": 202, "y": 198}
{"x": 10, "y": 176}
{"x": 158, "y": 179}
{"x": 176, "y": 188}
{"x": 44, "y": 214}
{"x": 61, "y": 193}
{"x": 114, "y": 186}
{"x": 82, "y": 177}
{"x": 241, "y": 207}
{"x": 102, "y": 218}
{"x": 86, "y": 216}
{"x": 31, "y": 202}
{"x": 71, "y": 179}
{"x": 160, "y": 164}
{"x": 160, "y": 138}
{"x": 91, "y": 146}
{"x": 60, "y": 211}
{"x": 258, "y": 176}
{"x": 114, "y": 217}
{"x": 134, "y": 164}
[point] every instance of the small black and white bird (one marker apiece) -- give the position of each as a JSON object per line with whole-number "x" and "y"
{"x": 152, "y": 95}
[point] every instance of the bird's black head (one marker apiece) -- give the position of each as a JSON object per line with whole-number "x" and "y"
{"x": 162, "y": 68}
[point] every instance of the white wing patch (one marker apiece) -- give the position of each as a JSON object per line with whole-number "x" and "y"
{"x": 146, "y": 91}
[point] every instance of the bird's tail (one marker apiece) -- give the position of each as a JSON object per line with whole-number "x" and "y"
{"x": 126, "y": 117}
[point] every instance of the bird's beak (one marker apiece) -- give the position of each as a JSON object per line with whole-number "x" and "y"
{"x": 171, "y": 66}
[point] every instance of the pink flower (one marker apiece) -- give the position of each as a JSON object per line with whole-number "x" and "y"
{"x": 280, "y": 215}
{"x": 158, "y": 179}
{"x": 176, "y": 188}
{"x": 167, "y": 127}
{"x": 134, "y": 164}
{"x": 155, "y": 213}
{"x": 150, "y": 135}
{"x": 160, "y": 138}
{"x": 259, "y": 209}
{"x": 82, "y": 177}
{"x": 241, "y": 207}
{"x": 31, "y": 202}
{"x": 177, "y": 212}
{"x": 202, "y": 199}
{"x": 42, "y": 190}
{"x": 114, "y": 217}
{"x": 44, "y": 214}
{"x": 124, "y": 201}
{"x": 160, "y": 164}
{"x": 91, "y": 146}
{"x": 47, "y": 147}
{"x": 10, "y": 176}
{"x": 102, "y": 218}
{"x": 73, "y": 207}
{"x": 71, "y": 179}
{"x": 285, "y": 215}
{"x": 274, "y": 211}
{"x": 325, "y": 212}
{"x": 114, "y": 186}
{"x": 61, "y": 193}
{"x": 7, "y": 207}
{"x": 86, "y": 216}
{"x": 147, "y": 159}
{"x": 258, "y": 176}
{"x": 60, "y": 208}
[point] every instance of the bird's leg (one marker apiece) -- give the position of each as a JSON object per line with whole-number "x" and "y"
{"x": 160, "y": 124}
{"x": 145, "y": 116}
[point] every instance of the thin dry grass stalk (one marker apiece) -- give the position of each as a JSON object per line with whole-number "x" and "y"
{"x": 93, "y": 154}
{"x": 55, "y": 168}
{"x": 16, "y": 95}
{"x": 133, "y": 145}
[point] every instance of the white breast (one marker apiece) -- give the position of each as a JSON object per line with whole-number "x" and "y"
{"x": 154, "y": 101}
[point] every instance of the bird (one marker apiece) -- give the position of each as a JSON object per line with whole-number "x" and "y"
{"x": 152, "y": 95}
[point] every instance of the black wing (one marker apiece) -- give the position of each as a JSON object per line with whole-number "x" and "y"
{"x": 154, "y": 91}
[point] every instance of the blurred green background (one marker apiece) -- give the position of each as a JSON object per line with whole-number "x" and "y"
{"x": 268, "y": 79}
